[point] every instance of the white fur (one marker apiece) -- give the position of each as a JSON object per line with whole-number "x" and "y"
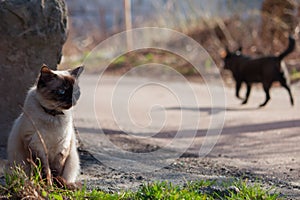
{"x": 57, "y": 132}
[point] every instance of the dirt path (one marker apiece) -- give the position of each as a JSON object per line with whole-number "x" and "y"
{"x": 127, "y": 150}
{"x": 254, "y": 143}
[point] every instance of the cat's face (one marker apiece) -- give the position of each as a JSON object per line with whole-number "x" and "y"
{"x": 58, "y": 90}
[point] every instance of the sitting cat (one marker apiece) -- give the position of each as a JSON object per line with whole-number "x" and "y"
{"x": 45, "y": 128}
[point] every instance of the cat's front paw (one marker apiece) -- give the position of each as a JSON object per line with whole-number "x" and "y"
{"x": 60, "y": 182}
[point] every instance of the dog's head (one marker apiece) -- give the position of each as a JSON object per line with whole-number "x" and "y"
{"x": 230, "y": 58}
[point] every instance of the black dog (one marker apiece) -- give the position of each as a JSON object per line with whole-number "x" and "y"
{"x": 263, "y": 70}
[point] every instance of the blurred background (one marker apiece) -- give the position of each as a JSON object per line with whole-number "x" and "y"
{"x": 261, "y": 27}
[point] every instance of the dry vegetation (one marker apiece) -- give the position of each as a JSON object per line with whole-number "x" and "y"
{"x": 213, "y": 40}
{"x": 261, "y": 32}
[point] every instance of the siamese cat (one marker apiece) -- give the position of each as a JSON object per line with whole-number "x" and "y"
{"x": 46, "y": 122}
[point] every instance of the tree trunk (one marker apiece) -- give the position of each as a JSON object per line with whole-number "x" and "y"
{"x": 31, "y": 33}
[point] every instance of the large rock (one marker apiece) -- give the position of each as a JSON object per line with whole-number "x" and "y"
{"x": 31, "y": 33}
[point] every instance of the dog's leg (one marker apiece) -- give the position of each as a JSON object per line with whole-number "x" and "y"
{"x": 285, "y": 85}
{"x": 247, "y": 93}
{"x": 237, "y": 89}
{"x": 267, "y": 87}
{"x": 290, "y": 93}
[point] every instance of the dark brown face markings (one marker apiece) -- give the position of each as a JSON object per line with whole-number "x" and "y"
{"x": 69, "y": 79}
{"x": 63, "y": 92}
{"x": 58, "y": 90}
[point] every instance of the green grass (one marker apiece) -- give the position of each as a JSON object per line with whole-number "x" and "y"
{"x": 295, "y": 76}
{"x": 20, "y": 186}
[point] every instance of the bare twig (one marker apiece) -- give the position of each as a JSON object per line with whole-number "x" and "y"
{"x": 30, "y": 160}
{"x": 128, "y": 23}
{"x": 46, "y": 161}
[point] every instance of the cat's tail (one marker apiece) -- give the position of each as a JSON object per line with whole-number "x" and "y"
{"x": 289, "y": 49}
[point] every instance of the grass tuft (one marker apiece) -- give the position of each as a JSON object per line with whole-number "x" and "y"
{"x": 20, "y": 186}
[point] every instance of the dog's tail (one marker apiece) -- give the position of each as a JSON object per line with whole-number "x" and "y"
{"x": 289, "y": 49}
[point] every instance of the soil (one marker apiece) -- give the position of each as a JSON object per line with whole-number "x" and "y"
{"x": 257, "y": 145}
{"x": 96, "y": 175}
{"x": 184, "y": 169}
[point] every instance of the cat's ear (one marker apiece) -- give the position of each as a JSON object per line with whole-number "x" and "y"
{"x": 45, "y": 70}
{"x": 77, "y": 71}
{"x": 46, "y": 74}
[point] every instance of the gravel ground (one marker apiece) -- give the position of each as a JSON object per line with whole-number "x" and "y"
{"x": 96, "y": 175}
{"x": 188, "y": 167}
{"x": 255, "y": 144}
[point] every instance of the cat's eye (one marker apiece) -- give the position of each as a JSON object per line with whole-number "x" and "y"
{"x": 61, "y": 91}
